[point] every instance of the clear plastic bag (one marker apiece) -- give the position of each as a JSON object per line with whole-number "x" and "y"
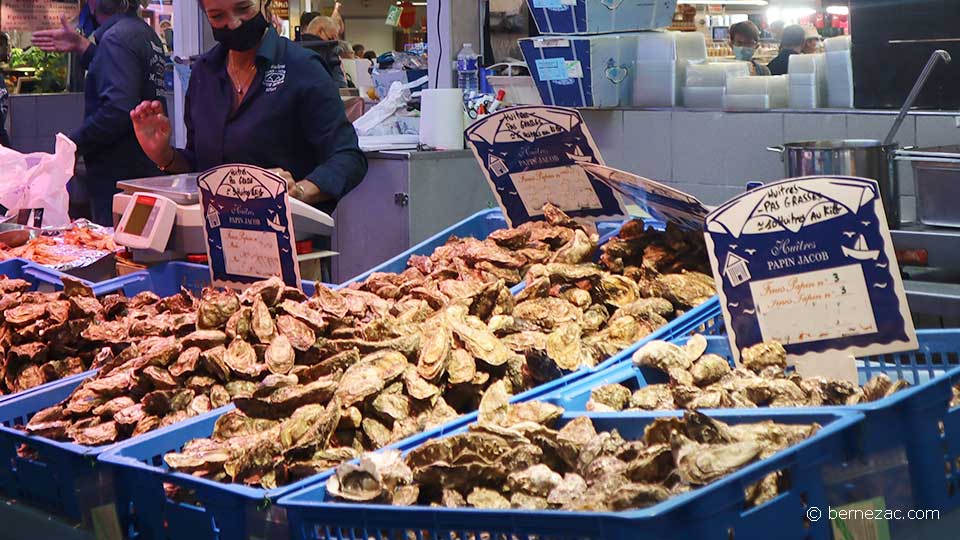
{"x": 38, "y": 180}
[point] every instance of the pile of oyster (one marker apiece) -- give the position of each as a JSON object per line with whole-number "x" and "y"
{"x": 515, "y": 457}
{"x": 164, "y": 360}
{"x": 705, "y": 381}
{"x": 414, "y": 350}
{"x": 667, "y": 252}
{"x": 41, "y": 334}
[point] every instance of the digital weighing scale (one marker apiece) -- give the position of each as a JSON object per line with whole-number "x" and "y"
{"x": 151, "y": 209}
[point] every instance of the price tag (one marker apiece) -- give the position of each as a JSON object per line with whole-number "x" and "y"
{"x": 809, "y": 262}
{"x": 531, "y": 155}
{"x": 552, "y": 69}
{"x": 248, "y": 226}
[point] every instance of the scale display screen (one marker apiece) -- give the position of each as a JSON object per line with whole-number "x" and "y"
{"x": 140, "y": 215}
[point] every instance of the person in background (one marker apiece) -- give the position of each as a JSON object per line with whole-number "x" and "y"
{"x": 775, "y": 30}
{"x": 745, "y": 40}
{"x": 4, "y": 95}
{"x": 321, "y": 37}
{"x": 305, "y": 21}
{"x": 337, "y": 18}
{"x": 811, "y": 40}
{"x": 371, "y": 56}
{"x": 124, "y": 68}
{"x": 358, "y": 50}
{"x": 791, "y": 43}
{"x": 257, "y": 98}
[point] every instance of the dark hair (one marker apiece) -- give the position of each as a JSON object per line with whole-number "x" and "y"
{"x": 793, "y": 36}
{"x": 370, "y": 55}
{"x": 358, "y": 47}
{"x": 745, "y": 28}
{"x": 112, "y": 7}
{"x": 306, "y": 18}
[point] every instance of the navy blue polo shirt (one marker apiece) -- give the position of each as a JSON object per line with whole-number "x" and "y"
{"x": 291, "y": 118}
{"x": 125, "y": 68}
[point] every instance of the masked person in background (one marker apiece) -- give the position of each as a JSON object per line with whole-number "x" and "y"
{"x": 259, "y": 99}
{"x": 125, "y": 67}
{"x": 745, "y": 40}
{"x": 4, "y": 95}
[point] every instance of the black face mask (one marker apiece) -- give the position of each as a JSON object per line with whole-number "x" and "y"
{"x": 244, "y": 37}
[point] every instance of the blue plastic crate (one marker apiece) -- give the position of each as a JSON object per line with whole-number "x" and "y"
{"x": 61, "y": 477}
{"x": 224, "y": 511}
{"x": 53, "y": 479}
{"x": 902, "y": 430}
{"x": 45, "y": 279}
{"x": 715, "y": 511}
{"x": 168, "y": 278}
{"x": 479, "y": 226}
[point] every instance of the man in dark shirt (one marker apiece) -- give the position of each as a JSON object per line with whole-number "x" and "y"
{"x": 791, "y": 42}
{"x": 125, "y": 67}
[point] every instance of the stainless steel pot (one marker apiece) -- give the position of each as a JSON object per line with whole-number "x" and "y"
{"x": 866, "y": 158}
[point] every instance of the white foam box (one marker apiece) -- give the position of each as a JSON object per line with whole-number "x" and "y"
{"x": 804, "y": 96}
{"x": 839, "y": 43}
{"x": 839, "y": 79}
{"x": 715, "y": 73}
{"x": 583, "y": 71}
{"x": 655, "y": 84}
{"x": 691, "y": 46}
{"x": 776, "y": 89}
{"x": 597, "y": 17}
{"x": 703, "y": 97}
{"x": 746, "y": 102}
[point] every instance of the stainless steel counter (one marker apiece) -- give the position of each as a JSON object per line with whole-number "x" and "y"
{"x": 406, "y": 197}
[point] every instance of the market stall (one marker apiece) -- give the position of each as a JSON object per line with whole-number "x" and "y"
{"x": 601, "y": 316}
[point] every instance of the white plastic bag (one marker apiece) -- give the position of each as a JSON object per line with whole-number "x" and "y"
{"x": 379, "y": 117}
{"x": 38, "y": 180}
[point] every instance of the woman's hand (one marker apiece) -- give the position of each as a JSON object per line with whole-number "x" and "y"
{"x": 152, "y": 128}
{"x": 63, "y": 39}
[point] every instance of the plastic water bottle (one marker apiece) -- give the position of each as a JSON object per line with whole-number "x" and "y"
{"x": 467, "y": 78}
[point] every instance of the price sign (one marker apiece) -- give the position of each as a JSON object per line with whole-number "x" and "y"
{"x": 532, "y": 155}
{"x": 33, "y": 15}
{"x": 809, "y": 262}
{"x": 248, "y": 226}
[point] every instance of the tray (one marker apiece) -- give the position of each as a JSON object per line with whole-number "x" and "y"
{"x": 715, "y": 511}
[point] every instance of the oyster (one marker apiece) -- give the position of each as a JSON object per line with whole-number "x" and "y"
{"x": 763, "y": 355}
{"x": 662, "y": 355}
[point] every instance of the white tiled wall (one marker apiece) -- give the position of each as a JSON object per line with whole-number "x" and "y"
{"x": 712, "y": 155}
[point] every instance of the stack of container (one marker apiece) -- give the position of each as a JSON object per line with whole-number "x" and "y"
{"x": 756, "y": 92}
{"x": 839, "y": 72}
{"x": 705, "y": 84}
{"x": 588, "y": 55}
{"x": 808, "y": 73}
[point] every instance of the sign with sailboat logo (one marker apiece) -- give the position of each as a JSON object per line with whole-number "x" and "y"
{"x": 532, "y": 155}
{"x": 248, "y": 226}
{"x": 809, "y": 262}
